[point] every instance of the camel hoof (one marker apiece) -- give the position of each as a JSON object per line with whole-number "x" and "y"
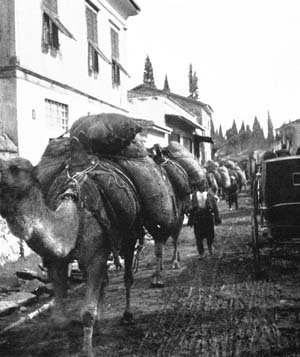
{"x": 127, "y": 318}
{"x": 157, "y": 285}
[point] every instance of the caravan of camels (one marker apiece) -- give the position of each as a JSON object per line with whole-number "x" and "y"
{"x": 98, "y": 192}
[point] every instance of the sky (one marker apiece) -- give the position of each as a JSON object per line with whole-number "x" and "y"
{"x": 246, "y": 54}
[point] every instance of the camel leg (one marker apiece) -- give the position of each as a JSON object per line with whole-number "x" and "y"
{"x": 57, "y": 272}
{"x": 128, "y": 280}
{"x": 100, "y": 310}
{"x": 176, "y": 255}
{"x": 96, "y": 279}
{"x": 157, "y": 281}
{"x": 175, "y": 236}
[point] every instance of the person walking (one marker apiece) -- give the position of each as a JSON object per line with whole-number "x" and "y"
{"x": 233, "y": 193}
{"x": 204, "y": 215}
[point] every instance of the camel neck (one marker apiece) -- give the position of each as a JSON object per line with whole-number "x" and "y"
{"x": 48, "y": 233}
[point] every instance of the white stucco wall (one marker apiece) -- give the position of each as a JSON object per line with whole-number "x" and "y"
{"x": 34, "y": 133}
{"x": 62, "y": 78}
{"x": 70, "y": 66}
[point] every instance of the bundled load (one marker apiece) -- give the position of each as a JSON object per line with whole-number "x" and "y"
{"x": 52, "y": 162}
{"x": 106, "y": 180}
{"x": 183, "y": 157}
{"x": 211, "y": 166}
{"x": 178, "y": 178}
{"x": 135, "y": 150}
{"x": 107, "y": 133}
{"x": 233, "y": 173}
{"x": 230, "y": 164}
{"x": 241, "y": 174}
{"x": 225, "y": 178}
{"x": 153, "y": 187}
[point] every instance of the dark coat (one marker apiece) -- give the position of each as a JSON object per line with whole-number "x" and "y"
{"x": 205, "y": 218}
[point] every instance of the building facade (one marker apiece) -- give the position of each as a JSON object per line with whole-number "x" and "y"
{"x": 59, "y": 60}
{"x": 288, "y": 134}
{"x": 174, "y": 118}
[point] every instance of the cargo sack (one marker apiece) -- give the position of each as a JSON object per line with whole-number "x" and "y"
{"x": 178, "y": 178}
{"x": 242, "y": 175}
{"x": 107, "y": 184}
{"x": 107, "y": 133}
{"x": 225, "y": 178}
{"x": 154, "y": 190}
{"x": 119, "y": 190}
{"x": 183, "y": 157}
{"x": 52, "y": 162}
{"x": 134, "y": 150}
{"x": 211, "y": 166}
{"x": 230, "y": 165}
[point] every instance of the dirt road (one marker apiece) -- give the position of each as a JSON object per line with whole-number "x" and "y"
{"x": 210, "y": 307}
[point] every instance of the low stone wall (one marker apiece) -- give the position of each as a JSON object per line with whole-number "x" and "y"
{"x": 10, "y": 245}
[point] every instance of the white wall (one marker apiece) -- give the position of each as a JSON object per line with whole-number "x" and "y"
{"x": 62, "y": 78}
{"x": 70, "y": 66}
{"x": 34, "y": 133}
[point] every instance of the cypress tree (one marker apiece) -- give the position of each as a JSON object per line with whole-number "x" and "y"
{"x": 148, "y": 73}
{"x": 193, "y": 83}
{"x": 166, "y": 85}
{"x": 270, "y": 137}
{"x": 257, "y": 133}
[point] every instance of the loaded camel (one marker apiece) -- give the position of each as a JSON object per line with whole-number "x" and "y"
{"x": 78, "y": 221}
{"x": 71, "y": 231}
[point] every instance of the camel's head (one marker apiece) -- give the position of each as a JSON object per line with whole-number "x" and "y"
{"x": 17, "y": 177}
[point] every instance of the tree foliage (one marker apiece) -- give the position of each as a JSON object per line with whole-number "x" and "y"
{"x": 148, "y": 73}
{"x": 166, "y": 85}
{"x": 247, "y": 138}
{"x": 193, "y": 83}
{"x": 270, "y": 135}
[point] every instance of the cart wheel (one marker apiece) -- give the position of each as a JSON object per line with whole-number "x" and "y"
{"x": 255, "y": 246}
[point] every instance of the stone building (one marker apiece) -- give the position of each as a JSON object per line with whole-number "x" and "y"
{"x": 174, "y": 117}
{"x": 59, "y": 60}
{"x": 288, "y": 134}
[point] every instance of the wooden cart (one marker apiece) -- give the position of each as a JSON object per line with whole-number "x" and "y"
{"x": 276, "y": 209}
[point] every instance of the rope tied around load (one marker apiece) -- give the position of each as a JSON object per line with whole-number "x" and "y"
{"x": 76, "y": 180}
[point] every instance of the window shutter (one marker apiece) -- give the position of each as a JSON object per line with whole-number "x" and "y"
{"x": 114, "y": 44}
{"x": 46, "y": 30}
{"x": 91, "y": 22}
{"x": 51, "y": 5}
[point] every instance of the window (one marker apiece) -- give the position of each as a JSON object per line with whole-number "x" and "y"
{"x": 187, "y": 143}
{"x": 57, "y": 115}
{"x": 115, "y": 54}
{"x": 116, "y": 80}
{"x": 50, "y": 34}
{"x": 92, "y": 35}
{"x": 51, "y": 26}
{"x": 174, "y": 137}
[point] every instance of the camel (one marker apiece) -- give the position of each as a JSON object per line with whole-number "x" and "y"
{"x": 72, "y": 230}
{"x": 73, "y": 223}
{"x": 179, "y": 188}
